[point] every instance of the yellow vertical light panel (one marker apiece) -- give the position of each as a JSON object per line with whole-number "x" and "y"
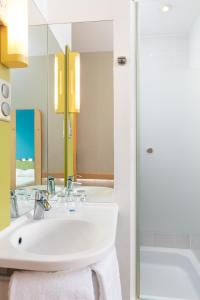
{"x": 14, "y": 36}
{"x": 74, "y": 82}
{"x": 59, "y": 82}
{"x": 69, "y": 121}
{"x": 3, "y": 12}
{"x": 5, "y": 158}
{"x": 70, "y": 145}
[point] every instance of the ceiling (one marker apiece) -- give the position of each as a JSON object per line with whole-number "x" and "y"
{"x": 152, "y": 21}
{"x": 34, "y": 14}
{"x": 86, "y": 36}
{"x": 179, "y": 20}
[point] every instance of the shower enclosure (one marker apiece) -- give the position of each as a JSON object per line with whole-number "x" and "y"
{"x": 169, "y": 149}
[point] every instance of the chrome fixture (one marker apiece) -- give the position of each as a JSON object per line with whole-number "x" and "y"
{"x": 14, "y": 212}
{"x": 69, "y": 187}
{"x": 41, "y": 204}
{"x": 70, "y": 184}
{"x": 150, "y": 150}
{"x": 5, "y": 100}
{"x": 51, "y": 185}
{"x": 122, "y": 60}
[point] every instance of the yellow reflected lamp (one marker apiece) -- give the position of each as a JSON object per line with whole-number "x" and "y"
{"x": 59, "y": 81}
{"x": 3, "y": 12}
{"x": 74, "y": 82}
{"x": 14, "y": 36}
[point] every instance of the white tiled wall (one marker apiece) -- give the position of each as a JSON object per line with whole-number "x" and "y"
{"x": 169, "y": 240}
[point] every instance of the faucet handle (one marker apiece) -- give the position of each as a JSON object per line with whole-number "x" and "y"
{"x": 47, "y": 205}
{"x": 37, "y": 196}
{"x": 42, "y": 197}
{"x": 12, "y": 193}
{"x": 13, "y": 205}
{"x": 70, "y": 179}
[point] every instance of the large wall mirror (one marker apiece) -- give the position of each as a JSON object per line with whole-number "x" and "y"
{"x": 52, "y": 136}
{"x": 95, "y": 128}
{"x": 90, "y": 131}
{"x": 29, "y": 120}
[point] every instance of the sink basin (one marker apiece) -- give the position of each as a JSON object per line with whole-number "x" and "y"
{"x": 56, "y": 237}
{"x": 61, "y": 241}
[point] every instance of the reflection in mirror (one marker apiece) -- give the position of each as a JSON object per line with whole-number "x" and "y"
{"x": 58, "y": 39}
{"x": 95, "y": 133}
{"x": 62, "y": 112}
{"x": 29, "y": 121}
{"x": 28, "y": 151}
{"x": 80, "y": 142}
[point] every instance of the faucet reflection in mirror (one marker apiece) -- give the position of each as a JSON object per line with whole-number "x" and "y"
{"x": 14, "y": 211}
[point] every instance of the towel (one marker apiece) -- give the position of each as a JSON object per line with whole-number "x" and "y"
{"x": 107, "y": 272}
{"x": 27, "y": 285}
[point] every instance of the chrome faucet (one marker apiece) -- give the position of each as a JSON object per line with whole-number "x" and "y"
{"x": 14, "y": 211}
{"x": 41, "y": 204}
{"x": 51, "y": 185}
{"x": 70, "y": 184}
{"x": 69, "y": 187}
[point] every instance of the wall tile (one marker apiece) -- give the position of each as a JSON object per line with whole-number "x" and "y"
{"x": 165, "y": 240}
{"x": 182, "y": 241}
{"x": 195, "y": 242}
{"x": 169, "y": 240}
{"x": 147, "y": 238}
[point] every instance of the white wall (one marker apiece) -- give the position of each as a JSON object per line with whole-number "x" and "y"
{"x": 35, "y": 16}
{"x": 62, "y": 33}
{"x": 123, "y": 14}
{"x": 38, "y": 40}
{"x": 194, "y": 45}
{"x": 92, "y": 36}
{"x": 170, "y": 123}
{"x": 95, "y": 132}
{"x": 42, "y": 6}
{"x": 33, "y": 87}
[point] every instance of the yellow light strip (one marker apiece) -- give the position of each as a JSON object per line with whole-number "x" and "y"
{"x": 56, "y": 83}
{"x": 77, "y": 83}
{"x": 14, "y": 43}
{"x": 74, "y": 82}
{"x": 59, "y": 83}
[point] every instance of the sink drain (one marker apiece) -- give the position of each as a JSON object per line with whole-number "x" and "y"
{"x": 20, "y": 241}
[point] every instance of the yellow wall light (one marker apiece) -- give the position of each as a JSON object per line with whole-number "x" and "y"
{"x": 14, "y": 36}
{"x": 74, "y": 82}
{"x": 3, "y": 12}
{"x": 59, "y": 83}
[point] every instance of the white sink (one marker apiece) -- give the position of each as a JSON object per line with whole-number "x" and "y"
{"x": 56, "y": 237}
{"x": 61, "y": 241}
